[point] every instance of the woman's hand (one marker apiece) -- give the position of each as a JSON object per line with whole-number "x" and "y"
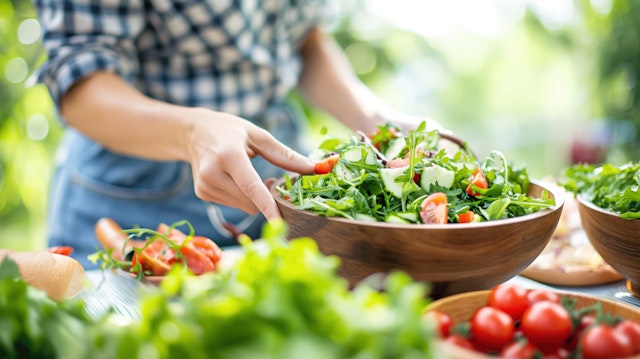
{"x": 220, "y": 147}
{"x": 217, "y": 145}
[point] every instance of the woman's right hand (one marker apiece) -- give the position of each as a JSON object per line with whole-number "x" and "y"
{"x": 220, "y": 147}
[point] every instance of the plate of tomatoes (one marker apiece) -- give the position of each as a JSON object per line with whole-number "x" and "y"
{"x": 511, "y": 321}
{"x": 150, "y": 254}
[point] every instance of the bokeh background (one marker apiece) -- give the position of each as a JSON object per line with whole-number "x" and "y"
{"x": 547, "y": 82}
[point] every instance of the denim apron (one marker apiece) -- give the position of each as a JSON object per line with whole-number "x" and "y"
{"x": 91, "y": 182}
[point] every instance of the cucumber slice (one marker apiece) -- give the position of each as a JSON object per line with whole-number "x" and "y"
{"x": 395, "y": 148}
{"x": 360, "y": 153}
{"x": 432, "y": 174}
{"x": 389, "y": 175}
{"x": 394, "y": 218}
{"x": 409, "y": 216}
{"x": 365, "y": 218}
{"x": 343, "y": 172}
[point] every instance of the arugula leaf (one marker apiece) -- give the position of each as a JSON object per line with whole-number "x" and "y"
{"x": 613, "y": 188}
{"x": 355, "y": 188}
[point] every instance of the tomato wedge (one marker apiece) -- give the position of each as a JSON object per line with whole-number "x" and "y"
{"x": 326, "y": 164}
{"x": 466, "y": 217}
{"x": 64, "y": 250}
{"x": 434, "y": 209}
{"x": 478, "y": 180}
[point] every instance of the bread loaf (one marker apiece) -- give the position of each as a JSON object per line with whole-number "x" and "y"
{"x": 57, "y": 275}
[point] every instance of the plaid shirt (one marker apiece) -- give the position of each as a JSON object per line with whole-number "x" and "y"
{"x": 234, "y": 56}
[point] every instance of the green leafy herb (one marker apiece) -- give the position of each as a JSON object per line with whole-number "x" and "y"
{"x": 613, "y": 188}
{"x": 364, "y": 185}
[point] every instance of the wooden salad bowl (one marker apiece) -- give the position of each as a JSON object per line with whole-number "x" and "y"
{"x": 452, "y": 258}
{"x": 462, "y": 306}
{"x": 617, "y": 240}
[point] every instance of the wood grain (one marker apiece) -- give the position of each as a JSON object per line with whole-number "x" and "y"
{"x": 617, "y": 240}
{"x": 452, "y": 258}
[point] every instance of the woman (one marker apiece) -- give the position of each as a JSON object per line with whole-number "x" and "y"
{"x": 177, "y": 109}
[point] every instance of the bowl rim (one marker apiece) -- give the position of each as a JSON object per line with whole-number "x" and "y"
{"x": 583, "y": 201}
{"x": 557, "y": 195}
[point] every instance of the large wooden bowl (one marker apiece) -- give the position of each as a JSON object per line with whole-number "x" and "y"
{"x": 452, "y": 258}
{"x": 462, "y": 306}
{"x": 617, "y": 240}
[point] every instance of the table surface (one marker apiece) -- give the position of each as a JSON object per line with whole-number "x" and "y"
{"x": 106, "y": 291}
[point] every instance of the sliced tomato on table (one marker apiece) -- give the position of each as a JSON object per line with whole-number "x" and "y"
{"x": 434, "y": 209}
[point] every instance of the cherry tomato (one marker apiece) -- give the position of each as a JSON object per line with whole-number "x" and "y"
{"x": 519, "y": 350}
{"x": 442, "y": 321}
{"x": 547, "y": 324}
{"x": 585, "y": 321}
{"x": 458, "y": 340}
{"x": 326, "y": 164}
{"x": 556, "y": 353}
{"x": 434, "y": 209}
{"x": 603, "y": 341}
{"x": 491, "y": 328}
{"x": 630, "y": 329}
{"x": 64, "y": 250}
{"x": 510, "y": 298}
{"x": 466, "y": 217}
{"x": 478, "y": 180}
{"x": 539, "y": 295}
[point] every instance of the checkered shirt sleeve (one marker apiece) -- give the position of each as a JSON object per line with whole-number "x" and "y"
{"x": 236, "y": 56}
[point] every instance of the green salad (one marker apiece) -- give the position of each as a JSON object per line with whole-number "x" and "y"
{"x": 391, "y": 177}
{"x": 610, "y": 187}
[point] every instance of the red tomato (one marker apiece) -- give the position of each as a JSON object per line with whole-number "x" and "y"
{"x": 557, "y": 353}
{"x": 398, "y": 163}
{"x": 585, "y": 321}
{"x": 64, "y": 250}
{"x": 539, "y": 295}
{"x": 434, "y": 209}
{"x": 442, "y": 321}
{"x": 547, "y": 325}
{"x": 510, "y": 298}
{"x": 466, "y": 217}
{"x": 491, "y": 328}
{"x": 208, "y": 247}
{"x": 603, "y": 341}
{"x": 519, "y": 350}
{"x": 460, "y": 341}
{"x": 326, "y": 164}
{"x": 156, "y": 258}
{"x": 197, "y": 262}
{"x": 630, "y": 329}
{"x": 478, "y": 180}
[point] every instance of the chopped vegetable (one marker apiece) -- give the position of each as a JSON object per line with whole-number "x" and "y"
{"x": 365, "y": 184}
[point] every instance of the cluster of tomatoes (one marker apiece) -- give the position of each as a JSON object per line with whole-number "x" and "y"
{"x": 535, "y": 323}
{"x": 200, "y": 254}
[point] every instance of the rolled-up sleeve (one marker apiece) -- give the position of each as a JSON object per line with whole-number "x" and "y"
{"x": 82, "y": 37}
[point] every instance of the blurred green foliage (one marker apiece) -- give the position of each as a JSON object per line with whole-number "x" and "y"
{"x": 28, "y": 131}
{"x": 529, "y": 92}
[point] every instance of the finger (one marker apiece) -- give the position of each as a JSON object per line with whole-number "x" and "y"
{"x": 274, "y": 151}
{"x": 250, "y": 184}
{"x": 224, "y": 191}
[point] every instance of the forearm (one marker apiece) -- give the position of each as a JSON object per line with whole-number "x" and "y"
{"x": 328, "y": 82}
{"x": 111, "y": 112}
